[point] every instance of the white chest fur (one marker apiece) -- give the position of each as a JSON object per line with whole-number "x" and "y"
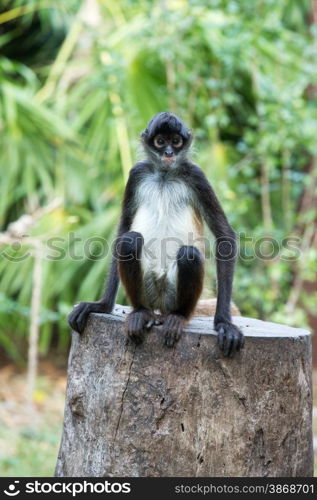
{"x": 166, "y": 219}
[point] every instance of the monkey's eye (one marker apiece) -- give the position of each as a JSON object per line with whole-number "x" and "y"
{"x": 177, "y": 141}
{"x": 159, "y": 142}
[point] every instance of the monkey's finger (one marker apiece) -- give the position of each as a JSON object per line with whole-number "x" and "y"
{"x": 135, "y": 323}
{"x": 235, "y": 345}
{"x": 227, "y": 344}
{"x": 149, "y": 324}
{"x": 82, "y": 319}
{"x": 169, "y": 339}
{"x": 168, "y": 336}
{"x": 72, "y": 320}
{"x": 238, "y": 343}
{"x": 178, "y": 332}
{"x": 241, "y": 341}
{"x": 173, "y": 336}
{"x": 221, "y": 338}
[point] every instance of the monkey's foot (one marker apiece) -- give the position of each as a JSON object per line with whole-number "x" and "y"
{"x": 138, "y": 322}
{"x": 79, "y": 315}
{"x": 173, "y": 328}
{"x": 158, "y": 319}
{"x": 230, "y": 338}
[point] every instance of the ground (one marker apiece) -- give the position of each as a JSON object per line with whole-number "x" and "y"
{"x": 29, "y": 438}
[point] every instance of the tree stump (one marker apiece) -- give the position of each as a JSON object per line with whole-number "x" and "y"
{"x": 150, "y": 410}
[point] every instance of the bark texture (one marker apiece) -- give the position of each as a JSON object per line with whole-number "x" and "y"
{"x": 150, "y": 410}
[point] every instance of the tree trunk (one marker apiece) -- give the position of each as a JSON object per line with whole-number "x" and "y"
{"x": 150, "y": 410}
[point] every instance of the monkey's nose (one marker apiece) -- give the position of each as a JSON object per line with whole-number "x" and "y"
{"x": 168, "y": 154}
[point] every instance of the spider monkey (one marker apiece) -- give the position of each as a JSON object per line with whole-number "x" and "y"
{"x": 158, "y": 254}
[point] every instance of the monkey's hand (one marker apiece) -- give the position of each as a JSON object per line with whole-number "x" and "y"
{"x": 172, "y": 328}
{"x": 230, "y": 338}
{"x": 79, "y": 315}
{"x": 138, "y": 322}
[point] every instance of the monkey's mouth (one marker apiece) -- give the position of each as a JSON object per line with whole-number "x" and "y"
{"x": 169, "y": 160}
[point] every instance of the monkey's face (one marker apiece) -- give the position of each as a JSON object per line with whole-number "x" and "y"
{"x": 168, "y": 147}
{"x": 166, "y": 140}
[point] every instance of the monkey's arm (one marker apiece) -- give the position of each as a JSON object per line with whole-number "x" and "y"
{"x": 79, "y": 315}
{"x": 230, "y": 338}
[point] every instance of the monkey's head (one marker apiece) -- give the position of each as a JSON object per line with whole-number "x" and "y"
{"x": 166, "y": 139}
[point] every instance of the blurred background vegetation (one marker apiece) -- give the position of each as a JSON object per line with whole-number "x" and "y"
{"x": 78, "y": 82}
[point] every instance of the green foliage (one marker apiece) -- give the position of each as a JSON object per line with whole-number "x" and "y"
{"x": 29, "y": 440}
{"x": 73, "y": 105}
{"x": 35, "y": 451}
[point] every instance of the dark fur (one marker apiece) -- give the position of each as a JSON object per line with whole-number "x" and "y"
{"x": 165, "y": 123}
{"x": 129, "y": 262}
{"x": 190, "y": 280}
{"x": 190, "y": 271}
{"x": 190, "y": 284}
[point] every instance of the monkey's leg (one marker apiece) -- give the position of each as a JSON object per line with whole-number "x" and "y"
{"x": 190, "y": 276}
{"x": 129, "y": 264}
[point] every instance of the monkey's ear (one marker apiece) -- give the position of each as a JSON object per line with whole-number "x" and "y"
{"x": 190, "y": 137}
{"x": 144, "y": 134}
